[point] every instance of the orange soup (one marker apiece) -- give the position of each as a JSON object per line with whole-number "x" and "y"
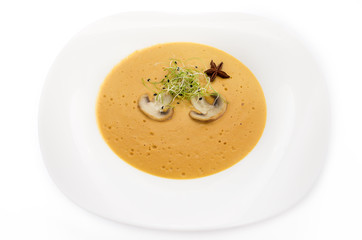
{"x": 181, "y": 146}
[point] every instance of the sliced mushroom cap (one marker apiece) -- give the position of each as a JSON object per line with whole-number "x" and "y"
{"x": 207, "y": 111}
{"x": 156, "y": 109}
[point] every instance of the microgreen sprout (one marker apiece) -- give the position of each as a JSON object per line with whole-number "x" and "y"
{"x": 182, "y": 82}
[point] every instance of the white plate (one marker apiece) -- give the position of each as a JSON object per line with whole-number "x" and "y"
{"x": 274, "y": 176}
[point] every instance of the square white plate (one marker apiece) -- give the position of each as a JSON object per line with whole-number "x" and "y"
{"x": 273, "y": 177}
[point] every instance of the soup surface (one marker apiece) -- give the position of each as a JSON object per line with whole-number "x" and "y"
{"x": 181, "y": 147}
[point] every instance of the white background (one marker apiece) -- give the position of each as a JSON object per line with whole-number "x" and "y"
{"x": 32, "y": 33}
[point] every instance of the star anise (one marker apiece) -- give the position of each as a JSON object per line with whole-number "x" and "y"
{"x": 215, "y": 71}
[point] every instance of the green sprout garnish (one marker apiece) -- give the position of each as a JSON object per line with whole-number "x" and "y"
{"x": 182, "y": 82}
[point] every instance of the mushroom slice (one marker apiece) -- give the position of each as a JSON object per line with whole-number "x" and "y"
{"x": 157, "y": 108}
{"x": 207, "y": 111}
